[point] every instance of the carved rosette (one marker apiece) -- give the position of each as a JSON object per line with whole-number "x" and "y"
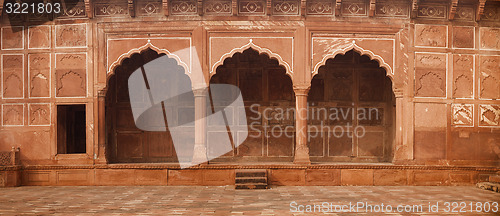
{"x": 432, "y": 11}
{"x": 252, "y": 7}
{"x": 285, "y": 7}
{"x": 184, "y": 7}
{"x": 320, "y": 7}
{"x": 216, "y": 8}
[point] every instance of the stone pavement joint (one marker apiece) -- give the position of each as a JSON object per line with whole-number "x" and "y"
{"x": 225, "y": 200}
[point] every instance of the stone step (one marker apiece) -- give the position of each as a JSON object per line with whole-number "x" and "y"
{"x": 251, "y": 186}
{"x": 242, "y": 180}
{"x": 489, "y": 186}
{"x": 495, "y": 178}
{"x": 251, "y": 173}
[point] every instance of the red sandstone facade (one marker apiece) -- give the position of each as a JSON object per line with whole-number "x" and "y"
{"x": 431, "y": 68}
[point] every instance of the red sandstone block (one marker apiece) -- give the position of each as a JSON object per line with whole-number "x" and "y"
{"x": 38, "y": 178}
{"x": 357, "y": 177}
{"x": 495, "y": 178}
{"x": 150, "y": 177}
{"x": 431, "y": 177}
{"x": 114, "y": 176}
{"x": 326, "y": 177}
{"x": 461, "y": 178}
{"x": 287, "y": 177}
{"x": 185, "y": 177}
{"x": 390, "y": 177}
{"x": 74, "y": 177}
{"x": 218, "y": 177}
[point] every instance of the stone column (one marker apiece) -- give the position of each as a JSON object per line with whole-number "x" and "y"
{"x": 301, "y": 148}
{"x": 402, "y": 151}
{"x": 102, "y": 156}
{"x": 200, "y": 126}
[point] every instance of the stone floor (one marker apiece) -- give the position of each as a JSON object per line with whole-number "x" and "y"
{"x": 199, "y": 200}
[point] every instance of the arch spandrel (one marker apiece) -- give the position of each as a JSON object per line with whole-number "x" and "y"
{"x": 378, "y": 49}
{"x": 279, "y": 48}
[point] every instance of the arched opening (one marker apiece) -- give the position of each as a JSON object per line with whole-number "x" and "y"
{"x": 128, "y": 143}
{"x": 269, "y": 105}
{"x": 351, "y": 111}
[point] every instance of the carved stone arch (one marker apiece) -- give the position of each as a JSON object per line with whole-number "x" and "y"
{"x": 260, "y": 50}
{"x": 139, "y": 50}
{"x": 361, "y": 51}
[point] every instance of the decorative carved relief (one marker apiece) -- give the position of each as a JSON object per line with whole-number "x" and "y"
{"x": 13, "y": 37}
{"x": 71, "y": 35}
{"x": 148, "y": 8}
{"x": 430, "y": 75}
{"x": 13, "y": 75}
{"x": 463, "y": 114}
{"x": 39, "y": 37}
{"x": 216, "y": 7}
{"x": 71, "y": 78}
{"x": 285, "y": 7}
{"x": 464, "y": 13}
{"x": 111, "y": 9}
{"x": 491, "y": 13}
{"x": 431, "y": 35}
{"x": 357, "y": 8}
{"x": 432, "y": 11}
{"x": 320, "y": 7}
{"x": 39, "y": 75}
{"x": 463, "y": 37}
{"x": 490, "y": 77}
{"x": 183, "y": 7}
{"x": 252, "y": 7}
{"x": 490, "y": 38}
{"x": 463, "y": 76}
{"x": 392, "y": 9}
{"x": 489, "y": 115}
{"x": 39, "y": 114}
{"x": 13, "y": 114}
{"x": 73, "y": 9}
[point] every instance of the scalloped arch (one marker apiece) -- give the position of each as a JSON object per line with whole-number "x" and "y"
{"x": 250, "y": 44}
{"x": 112, "y": 67}
{"x": 360, "y": 50}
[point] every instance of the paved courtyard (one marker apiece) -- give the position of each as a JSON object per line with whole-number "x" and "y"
{"x": 200, "y": 200}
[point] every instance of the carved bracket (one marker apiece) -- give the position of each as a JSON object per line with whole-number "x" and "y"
{"x": 337, "y": 7}
{"x": 480, "y": 9}
{"x": 165, "y": 7}
{"x": 1, "y": 6}
{"x": 269, "y": 7}
{"x": 372, "y": 8}
{"x": 414, "y": 8}
{"x": 234, "y": 4}
{"x": 303, "y": 6}
{"x": 453, "y": 9}
{"x": 131, "y": 8}
{"x": 88, "y": 8}
{"x": 200, "y": 7}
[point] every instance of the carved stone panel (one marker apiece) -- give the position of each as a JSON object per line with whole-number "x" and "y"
{"x": 491, "y": 13}
{"x": 251, "y": 7}
{"x": 463, "y": 76}
{"x": 71, "y": 77}
{"x": 183, "y": 7}
{"x": 285, "y": 7}
{"x": 39, "y": 114}
{"x": 489, "y": 115}
{"x": 463, "y": 37}
{"x": 320, "y": 7}
{"x": 13, "y": 75}
{"x": 72, "y": 35}
{"x": 39, "y": 37}
{"x": 73, "y": 9}
{"x": 217, "y": 7}
{"x": 489, "y": 38}
{"x": 12, "y": 37}
{"x": 462, "y": 114}
{"x": 13, "y": 114}
{"x": 432, "y": 11}
{"x": 431, "y": 35}
{"x": 430, "y": 75}
{"x": 39, "y": 74}
{"x": 464, "y": 13}
{"x": 490, "y": 77}
{"x": 149, "y": 8}
{"x": 354, "y": 8}
{"x": 392, "y": 9}
{"x": 111, "y": 8}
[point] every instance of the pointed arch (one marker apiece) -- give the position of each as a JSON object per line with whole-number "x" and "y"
{"x": 139, "y": 50}
{"x": 260, "y": 50}
{"x": 360, "y": 50}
